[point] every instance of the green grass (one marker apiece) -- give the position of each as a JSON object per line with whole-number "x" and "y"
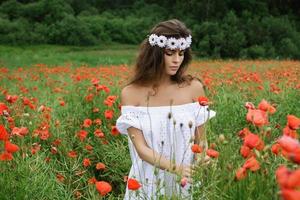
{"x": 21, "y": 56}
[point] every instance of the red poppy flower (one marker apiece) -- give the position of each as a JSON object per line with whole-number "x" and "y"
{"x": 275, "y": 148}
{"x": 100, "y": 166}
{"x": 3, "y": 133}
{"x": 60, "y": 177}
{"x": 288, "y": 144}
{"x": 212, "y": 153}
{"x": 3, "y": 108}
{"x": 103, "y": 187}
{"x": 252, "y": 164}
{"x": 108, "y": 114}
{"x": 21, "y": 132}
{"x": 72, "y": 154}
{"x": 11, "y": 98}
{"x": 241, "y": 173}
{"x": 257, "y": 117}
{"x": 288, "y": 194}
{"x": 243, "y": 133}
{"x": 86, "y": 162}
{"x": 97, "y": 122}
{"x": 87, "y": 123}
{"x": 114, "y": 131}
{"x": 133, "y": 184}
{"x": 88, "y": 147}
{"x": 265, "y": 106}
{"x": 82, "y": 135}
{"x": 62, "y": 103}
{"x": 10, "y": 147}
{"x": 289, "y": 132}
{"x": 245, "y": 151}
{"x": 203, "y": 101}
{"x": 56, "y": 142}
{"x": 293, "y": 122}
{"x": 95, "y": 81}
{"x": 99, "y": 133}
{"x": 196, "y": 148}
{"x": 92, "y": 180}
{"x": 253, "y": 141}
{"x": 6, "y": 156}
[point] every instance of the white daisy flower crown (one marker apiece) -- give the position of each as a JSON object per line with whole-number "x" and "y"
{"x": 170, "y": 43}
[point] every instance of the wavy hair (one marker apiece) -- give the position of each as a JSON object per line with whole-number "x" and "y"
{"x": 149, "y": 67}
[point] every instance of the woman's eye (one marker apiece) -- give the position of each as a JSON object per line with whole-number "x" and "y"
{"x": 168, "y": 53}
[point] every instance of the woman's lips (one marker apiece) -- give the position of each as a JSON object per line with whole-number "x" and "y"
{"x": 174, "y": 68}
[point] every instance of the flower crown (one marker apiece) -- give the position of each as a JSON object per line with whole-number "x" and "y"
{"x": 170, "y": 43}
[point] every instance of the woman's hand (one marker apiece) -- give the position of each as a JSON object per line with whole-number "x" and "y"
{"x": 185, "y": 171}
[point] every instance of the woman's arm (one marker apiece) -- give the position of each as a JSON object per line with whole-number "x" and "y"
{"x": 151, "y": 156}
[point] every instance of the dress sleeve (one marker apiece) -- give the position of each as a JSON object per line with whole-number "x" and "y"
{"x": 128, "y": 119}
{"x": 203, "y": 114}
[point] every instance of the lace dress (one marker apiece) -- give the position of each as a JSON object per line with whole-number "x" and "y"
{"x": 168, "y": 131}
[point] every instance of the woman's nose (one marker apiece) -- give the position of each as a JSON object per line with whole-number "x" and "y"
{"x": 176, "y": 57}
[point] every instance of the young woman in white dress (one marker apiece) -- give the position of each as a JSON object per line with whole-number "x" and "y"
{"x": 161, "y": 116}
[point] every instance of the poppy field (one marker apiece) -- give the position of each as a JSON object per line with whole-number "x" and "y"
{"x": 58, "y": 138}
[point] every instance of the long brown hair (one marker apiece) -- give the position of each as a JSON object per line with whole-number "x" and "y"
{"x": 149, "y": 66}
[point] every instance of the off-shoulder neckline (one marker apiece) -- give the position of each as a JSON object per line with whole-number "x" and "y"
{"x": 158, "y": 107}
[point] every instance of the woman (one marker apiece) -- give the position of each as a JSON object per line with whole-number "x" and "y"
{"x": 161, "y": 115}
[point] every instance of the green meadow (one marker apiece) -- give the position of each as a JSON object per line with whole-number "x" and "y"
{"x": 43, "y": 169}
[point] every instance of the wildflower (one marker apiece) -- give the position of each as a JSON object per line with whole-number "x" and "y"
{"x": 108, "y": 114}
{"x": 100, "y": 166}
{"x": 265, "y": 106}
{"x": 245, "y": 151}
{"x": 3, "y": 133}
{"x": 72, "y": 154}
{"x": 10, "y": 147}
{"x": 21, "y": 132}
{"x": 196, "y": 148}
{"x": 293, "y": 122}
{"x": 203, "y": 101}
{"x": 114, "y": 131}
{"x": 241, "y": 173}
{"x": 257, "y": 117}
{"x": 97, "y": 121}
{"x": 60, "y": 177}
{"x": 86, "y": 162}
{"x": 11, "y": 98}
{"x": 87, "y": 123}
{"x": 82, "y": 135}
{"x": 103, "y": 187}
{"x": 212, "y": 153}
{"x": 6, "y": 156}
{"x": 133, "y": 184}
{"x": 253, "y": 141}
{"x": 92, "y": 180}
{"x": 99, "y": 133}
{"x": 3, "y": 108}
{"x": 62, "y": 103}
{"x": 183, "y": 181}
{"x": 252, "y": 164}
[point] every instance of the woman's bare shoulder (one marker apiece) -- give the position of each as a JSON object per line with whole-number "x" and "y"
{"x": 130, "y": 95}
{"x": 196, "y": 89}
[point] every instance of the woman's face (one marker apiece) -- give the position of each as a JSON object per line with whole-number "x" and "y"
{"x": 173, "y": 60}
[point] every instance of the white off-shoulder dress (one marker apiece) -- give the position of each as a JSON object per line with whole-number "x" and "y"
{"x": 168, "y": 131}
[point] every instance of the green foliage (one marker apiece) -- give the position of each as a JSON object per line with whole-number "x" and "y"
{"x": 221, "y": 29}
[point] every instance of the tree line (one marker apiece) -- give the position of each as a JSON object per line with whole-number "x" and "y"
{"x": 220, "y": 28}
